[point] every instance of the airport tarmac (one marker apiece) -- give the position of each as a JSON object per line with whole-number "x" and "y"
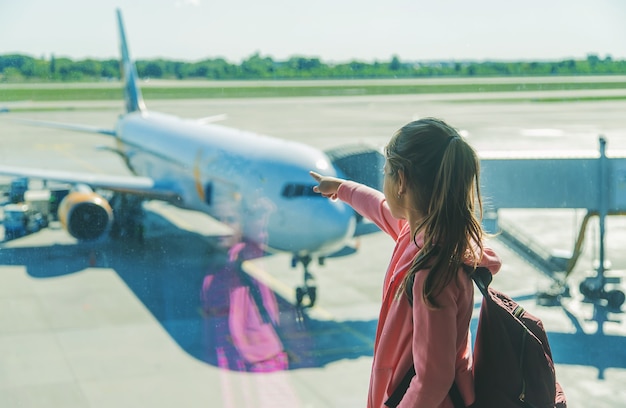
{"x": 125, "y": 325}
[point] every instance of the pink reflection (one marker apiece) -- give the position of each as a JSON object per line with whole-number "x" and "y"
{"x": 245, "y": 316}
{"x": 242, "y": 321}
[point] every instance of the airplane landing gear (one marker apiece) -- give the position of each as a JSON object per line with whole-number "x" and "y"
{"x": 128, "y": 217}
{"x": 308, "y": 289}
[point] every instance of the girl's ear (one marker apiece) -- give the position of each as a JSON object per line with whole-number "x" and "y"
{"x": 401, "y": 182}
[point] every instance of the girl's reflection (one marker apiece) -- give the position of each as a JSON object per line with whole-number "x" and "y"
{"x": 243, "y": 315}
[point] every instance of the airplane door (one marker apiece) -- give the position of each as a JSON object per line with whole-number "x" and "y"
{"x": 224, "y": 201}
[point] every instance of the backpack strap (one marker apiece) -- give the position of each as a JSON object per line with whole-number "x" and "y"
{"x": 399, "y": 392}
{"x": 482, "y": 278}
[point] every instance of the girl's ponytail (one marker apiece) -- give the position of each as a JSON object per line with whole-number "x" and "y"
{"x": 446, "y": 182}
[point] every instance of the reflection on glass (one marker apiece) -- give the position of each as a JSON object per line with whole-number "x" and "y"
{"x": 243, "y": 316}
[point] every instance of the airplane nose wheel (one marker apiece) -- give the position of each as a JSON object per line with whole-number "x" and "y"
{"x": 302, "y": 292}
{"x": 306, "y": 295}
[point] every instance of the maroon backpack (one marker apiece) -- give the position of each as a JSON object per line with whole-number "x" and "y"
{"x": 513, "y": 366}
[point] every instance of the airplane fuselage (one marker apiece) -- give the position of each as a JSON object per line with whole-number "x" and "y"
{"x": 257, "y": 184}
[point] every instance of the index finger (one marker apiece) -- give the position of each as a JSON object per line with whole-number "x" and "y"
{"x": 316, "y": 176}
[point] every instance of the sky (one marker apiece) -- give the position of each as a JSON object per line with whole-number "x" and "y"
{"x": 332, "y": 30}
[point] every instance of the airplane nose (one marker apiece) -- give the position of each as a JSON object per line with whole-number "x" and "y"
{"x": 317, "y": 225}
{"x": 335, "y": 224}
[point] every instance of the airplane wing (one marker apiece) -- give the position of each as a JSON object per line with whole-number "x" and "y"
{"x": 142, "y": 186}
{"x": 211, "y": 119}
{"x": 67, "y": 126}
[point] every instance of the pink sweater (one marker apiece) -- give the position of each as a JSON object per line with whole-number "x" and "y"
{"x": 436, "y": 341}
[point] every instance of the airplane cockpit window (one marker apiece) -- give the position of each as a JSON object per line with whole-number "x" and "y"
{"x": 293, "y": 190}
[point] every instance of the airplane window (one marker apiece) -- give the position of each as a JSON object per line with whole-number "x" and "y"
{"x": 293, "y": 190}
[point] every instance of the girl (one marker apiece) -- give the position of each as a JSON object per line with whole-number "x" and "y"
{"x": 428, "y": 206}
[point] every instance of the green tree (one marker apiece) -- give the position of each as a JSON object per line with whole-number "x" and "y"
{"x": 88, "y": 68}
{"x": 395, "y": 63}
{"x": 110, "y": 69}
{"x": 257, "y": 67}
{"x": 152, "y": 70}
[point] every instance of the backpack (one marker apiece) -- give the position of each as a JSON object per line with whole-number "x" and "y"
{"x": 513, "y": 364}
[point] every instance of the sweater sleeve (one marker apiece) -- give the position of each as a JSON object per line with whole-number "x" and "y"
{"x": 434, "y": 348}
{"x": 371, "y": 204}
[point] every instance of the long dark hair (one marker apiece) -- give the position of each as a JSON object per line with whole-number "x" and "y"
{"x": 443, "y": 172}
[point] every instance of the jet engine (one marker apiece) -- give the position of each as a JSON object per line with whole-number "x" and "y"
{"x": 86, "y": 215}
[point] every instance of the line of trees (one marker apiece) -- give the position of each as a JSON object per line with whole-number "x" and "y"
{"x": 19, "y": 68}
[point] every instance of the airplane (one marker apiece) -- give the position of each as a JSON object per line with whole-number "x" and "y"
{"x": 257, "y": 185}
{"x": 261, "y": 189}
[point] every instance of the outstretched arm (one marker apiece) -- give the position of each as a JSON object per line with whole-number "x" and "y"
{"x": 367, "y": 201}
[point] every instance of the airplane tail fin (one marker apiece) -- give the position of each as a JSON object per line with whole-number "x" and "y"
{"x": 132, "y": 93}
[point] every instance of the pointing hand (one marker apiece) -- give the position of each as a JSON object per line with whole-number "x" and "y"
{"x": 327, "y": 186}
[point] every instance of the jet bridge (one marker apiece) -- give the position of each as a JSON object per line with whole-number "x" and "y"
{"x": 593, "y": 182}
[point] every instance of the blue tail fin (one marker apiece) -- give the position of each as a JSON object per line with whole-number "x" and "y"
{"x": 132, "y": 93}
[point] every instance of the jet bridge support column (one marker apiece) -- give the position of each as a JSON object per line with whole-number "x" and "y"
{"x": 603, "y": 206}
{"x": 593, "y": 287}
